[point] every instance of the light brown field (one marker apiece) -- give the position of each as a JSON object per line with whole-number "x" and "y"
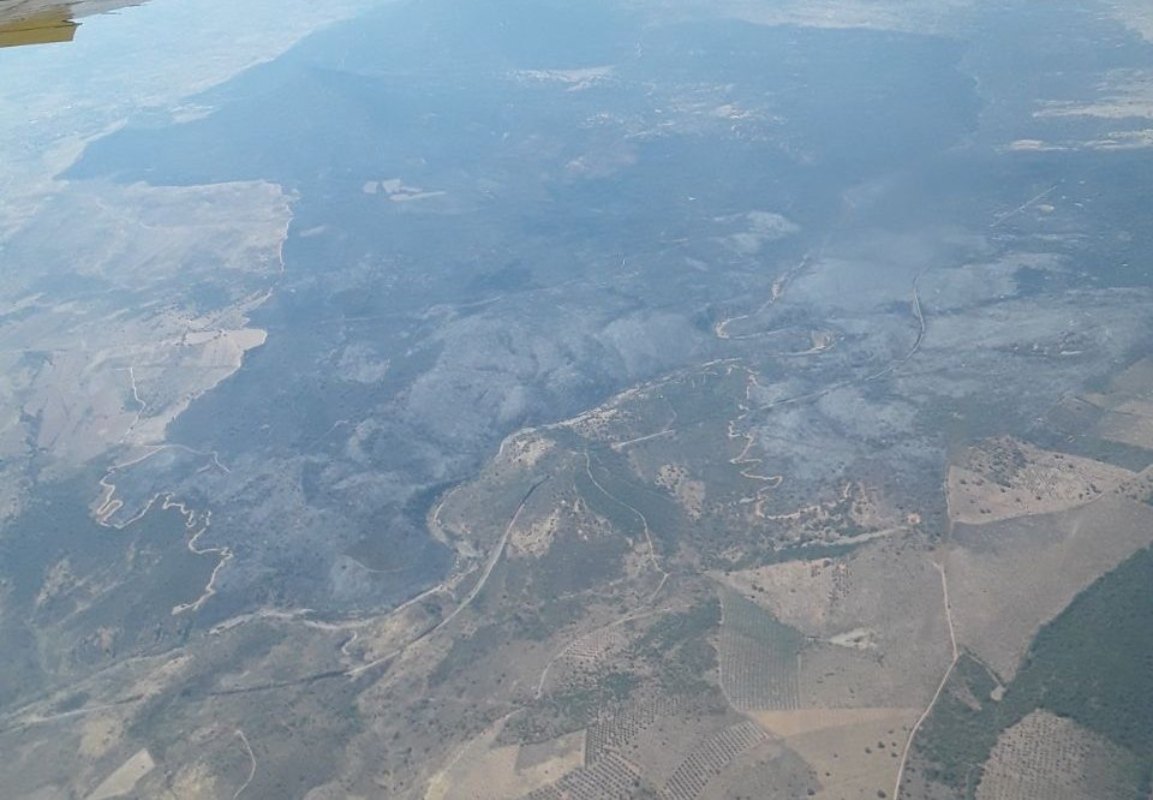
{"x": 787, "y": 724}
{"x": 835, "y": 677}
{"x": 1046, "y": 757}
{"x": 1128, "y": 406}
{"x": 874, "y": 622}
{"x": 1130, "y": 422}
{"x": 124, "y": 779}
{"x": 483, "y": 770}
{"x": 800, "y": 593}
{"x": 1004, "y": 478}
{"x": 195, "y": 782}
{"x": 1008, "y": 578}
{"x": 855, "y": 752}
{"x": 99, "y": 734}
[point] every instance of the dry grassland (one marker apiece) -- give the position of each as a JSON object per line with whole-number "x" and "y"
{"x": 1004, "y": 478}
{"x": 767, "y": 770}
{"x": 1130, "y": 422}
{"x": 854, "y": 752}
{"x": 124, "y": 779}
{"x": 196, "y": 782}
{"x": 789, "y": 724}
{"x": 483, "y": 770}
{"x": 391, "y": 633}
{"x": 99, "y": 734}
{"x": 1008, "y": 578}
{"x": 1129, "y": 406}
{"x": 873, "y": 622}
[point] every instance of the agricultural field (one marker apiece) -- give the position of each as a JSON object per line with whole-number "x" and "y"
{"x": 1045, "y": 756}
{"x": 871, "y": 623}
{"x": 854, "y": 753}
{"x": 485, "y": 769}
{"x": 1008, "y": 578}
{"x": 1062, "y": 706}
{"x": 1127, "y": 407}
{"x": 759, "y": 657}
{"x": 1004, "y": 479}
{"x": 711, "y": 757}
